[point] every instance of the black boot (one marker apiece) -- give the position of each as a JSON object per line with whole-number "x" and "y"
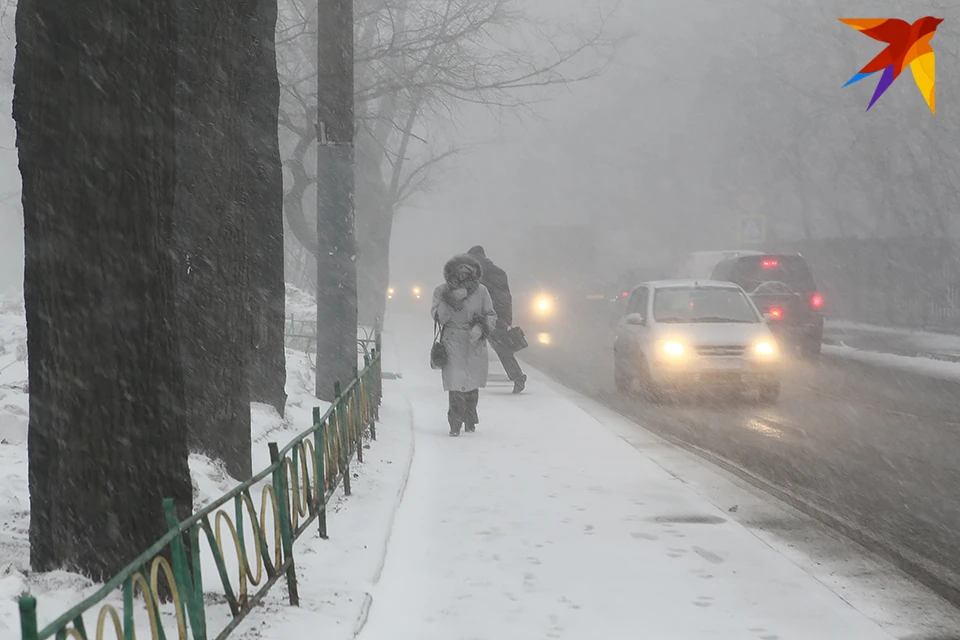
{"x": 520, "y": 383}
{"x": 455, "y": 429}
{"x": 470, "y": 427}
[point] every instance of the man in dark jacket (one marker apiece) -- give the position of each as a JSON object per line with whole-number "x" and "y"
{"x": 495, "y": 280}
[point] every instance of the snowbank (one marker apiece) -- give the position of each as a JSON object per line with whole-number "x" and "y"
{"x": 914, "y": 364}
{"x": 925, "y": 353}
{"x": 58, "y": 590}
{"x": 300, "y": 304}
{"x": 301, "y": 321}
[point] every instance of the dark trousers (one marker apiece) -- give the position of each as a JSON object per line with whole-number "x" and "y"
{"x": 508, "y": 360}
{"x": 463, "y": 408}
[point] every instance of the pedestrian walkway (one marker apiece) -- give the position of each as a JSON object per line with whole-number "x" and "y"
{"x": 544, "y": 524}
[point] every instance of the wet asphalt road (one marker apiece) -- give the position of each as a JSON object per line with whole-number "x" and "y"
{"x": 857, "y": 444}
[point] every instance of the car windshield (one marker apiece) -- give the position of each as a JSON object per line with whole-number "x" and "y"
{"x": 702, "y": 304}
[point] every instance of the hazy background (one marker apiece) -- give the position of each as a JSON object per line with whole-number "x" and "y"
{"x": 706, "y": 103}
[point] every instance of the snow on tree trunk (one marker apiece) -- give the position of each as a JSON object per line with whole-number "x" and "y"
{"x": 94, "y": 107}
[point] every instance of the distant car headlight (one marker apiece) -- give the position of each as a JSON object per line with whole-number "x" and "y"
{"x": 764, "y": 348}
{"x": 416, "y": 292}
{"x": 673, "y": 348}
{"x": 543, "y": 304}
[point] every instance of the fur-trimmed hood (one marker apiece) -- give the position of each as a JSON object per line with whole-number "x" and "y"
{"x": 450, "y": 268}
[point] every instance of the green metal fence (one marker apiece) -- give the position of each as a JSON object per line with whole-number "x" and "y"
{"x": 165, "y": 582}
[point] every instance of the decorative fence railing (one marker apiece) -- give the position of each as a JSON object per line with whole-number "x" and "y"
{"x": 300, "y": 334}
{"x": 166, "y": 582}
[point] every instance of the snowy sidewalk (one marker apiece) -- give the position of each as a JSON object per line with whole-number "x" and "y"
{"x": 544, "y": 524}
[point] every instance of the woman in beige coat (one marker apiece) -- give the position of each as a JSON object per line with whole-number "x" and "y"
{"x": 463, "y": 309}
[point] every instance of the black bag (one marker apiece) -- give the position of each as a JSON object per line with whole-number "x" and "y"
{"x": 438, "y": 352}
{"x": 514, "y": 339}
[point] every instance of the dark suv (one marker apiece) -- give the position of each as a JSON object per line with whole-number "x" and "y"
{"x": 782, "y": 287}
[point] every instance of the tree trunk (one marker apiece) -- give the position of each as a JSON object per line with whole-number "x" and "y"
{"x": 373, "y": 263}
{"x": 336, "y": 244}
{"x": 371, "y": 250}
{"x": 263, "y": 190}
{"x": 94, "y": 109}
{"x": 304, "y": 230}
{"x": 213, "y": 236}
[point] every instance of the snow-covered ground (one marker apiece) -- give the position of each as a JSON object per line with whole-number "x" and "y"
{"x": 547, "y": 523}
{"x": 301, "y": 312}
{"x": 556, "y": 519}
{"x": 915, "y": 364}
{"x": 334, "y": 573}
{"x": 921, "y": 352}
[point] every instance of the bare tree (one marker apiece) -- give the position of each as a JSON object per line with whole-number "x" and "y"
{"x": 416, "y": 64}
{"x": 781, "y": 111}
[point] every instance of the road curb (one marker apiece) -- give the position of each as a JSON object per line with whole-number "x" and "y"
{"x": 367, "y": 605}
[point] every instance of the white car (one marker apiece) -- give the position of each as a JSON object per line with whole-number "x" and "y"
{"x": 682, "y": 333}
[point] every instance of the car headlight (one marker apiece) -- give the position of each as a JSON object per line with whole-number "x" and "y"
{"x": 673, "y": 348}
{"x": 542, "y": 304}
{"x": 764, "y": 348}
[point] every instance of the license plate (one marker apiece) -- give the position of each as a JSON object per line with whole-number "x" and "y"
{"x": 721, "y": 377}
{"x": 733, "y": 364}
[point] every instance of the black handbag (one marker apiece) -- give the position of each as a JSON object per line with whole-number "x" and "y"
{"x": 515, "y": 339}
{"x": 438, "y": 352}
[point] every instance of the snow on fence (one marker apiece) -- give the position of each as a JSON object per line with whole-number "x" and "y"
{"x": 164, "y": 587}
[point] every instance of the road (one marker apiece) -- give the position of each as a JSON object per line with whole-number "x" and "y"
{"x": 873, "y": 451}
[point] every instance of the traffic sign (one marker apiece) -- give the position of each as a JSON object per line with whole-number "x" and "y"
{"x": 752, "y": 229}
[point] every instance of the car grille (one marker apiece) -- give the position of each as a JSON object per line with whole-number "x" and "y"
{"x": 714, "y": 351}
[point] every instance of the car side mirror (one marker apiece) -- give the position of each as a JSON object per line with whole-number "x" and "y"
{"x": 636, "y": 319}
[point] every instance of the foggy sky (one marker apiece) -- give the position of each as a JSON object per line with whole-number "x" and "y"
{"x": 652, "y": 145}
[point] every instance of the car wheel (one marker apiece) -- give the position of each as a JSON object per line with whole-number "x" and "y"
{"x": 769, "y": 392}
{"x": 650, "y": 389}
{"x": 621, "y": 379}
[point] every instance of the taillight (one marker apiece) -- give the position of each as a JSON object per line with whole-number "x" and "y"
{"x": 816, "y": 301}
{"x": 776, "y": 312}
{"x": 769, "y": 263}
{"x": 625, "y": 294}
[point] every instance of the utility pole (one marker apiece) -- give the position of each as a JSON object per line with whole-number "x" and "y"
{"x": 336, "y": 251}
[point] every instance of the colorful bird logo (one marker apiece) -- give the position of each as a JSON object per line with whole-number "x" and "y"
{"x": 907, "y": 44}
